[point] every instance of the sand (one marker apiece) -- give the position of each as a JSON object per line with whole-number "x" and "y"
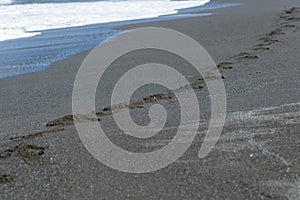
{"x": 256, "y": 47}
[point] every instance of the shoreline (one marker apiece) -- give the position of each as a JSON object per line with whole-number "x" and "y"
{"x": 66, "y": 39}
{"x": 256, "y": 49}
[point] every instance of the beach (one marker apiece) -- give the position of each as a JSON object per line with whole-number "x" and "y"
{"x": 256, "y": 48}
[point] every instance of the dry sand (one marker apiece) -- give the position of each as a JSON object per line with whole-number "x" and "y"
{"x": 257, "y": 157}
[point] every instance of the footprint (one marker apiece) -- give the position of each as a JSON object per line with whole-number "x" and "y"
{"x": 251, "y": 57}
{"x": 197, "y": 85}
{"x": 24, "y": 151}
{"x": 63, "y": 121}
{"x": 29, "y": 151}
{"x": 290, "y": 15}
{"x": 6, "y": 153}
{"x": 292, "y": 10}
{"x": 293, "y": 18}
{"x": 268, "y": 40}
{"x": 261, "y": 48}
{"x": 6, "y": 178}
{"x": 135, "y": 105}
{"x": 225, "y": 65}
{"x": 277, "y": 31}
{"x": 155, "y": 97}
{"x": 289, "y": 26}
{"x": 69, "y": 119}
{"x": 246, "y": 55}
{"x": 37, "y": 134}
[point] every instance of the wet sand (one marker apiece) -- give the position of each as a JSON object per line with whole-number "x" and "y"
{"x": 256, "y": 47}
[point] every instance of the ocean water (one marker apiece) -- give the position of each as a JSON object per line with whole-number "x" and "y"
{"x": 23, "y": 18}
{"x": 36, "y": 33}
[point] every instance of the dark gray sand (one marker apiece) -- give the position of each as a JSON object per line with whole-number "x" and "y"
{"x": 256, "y": 47}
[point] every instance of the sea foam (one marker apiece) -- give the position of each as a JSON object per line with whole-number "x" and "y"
{"x": 4, "y": 2}
{"x": 26, "y": 20}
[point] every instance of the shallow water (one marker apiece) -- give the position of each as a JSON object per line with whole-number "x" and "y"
{"x": 31, "y": 54}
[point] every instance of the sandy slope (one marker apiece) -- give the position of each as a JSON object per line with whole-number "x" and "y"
{"x": 257, "y": 48}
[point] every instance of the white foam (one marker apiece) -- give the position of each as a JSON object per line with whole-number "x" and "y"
{"x": 4, "y": 2}
{"x": 17, "y": 20}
